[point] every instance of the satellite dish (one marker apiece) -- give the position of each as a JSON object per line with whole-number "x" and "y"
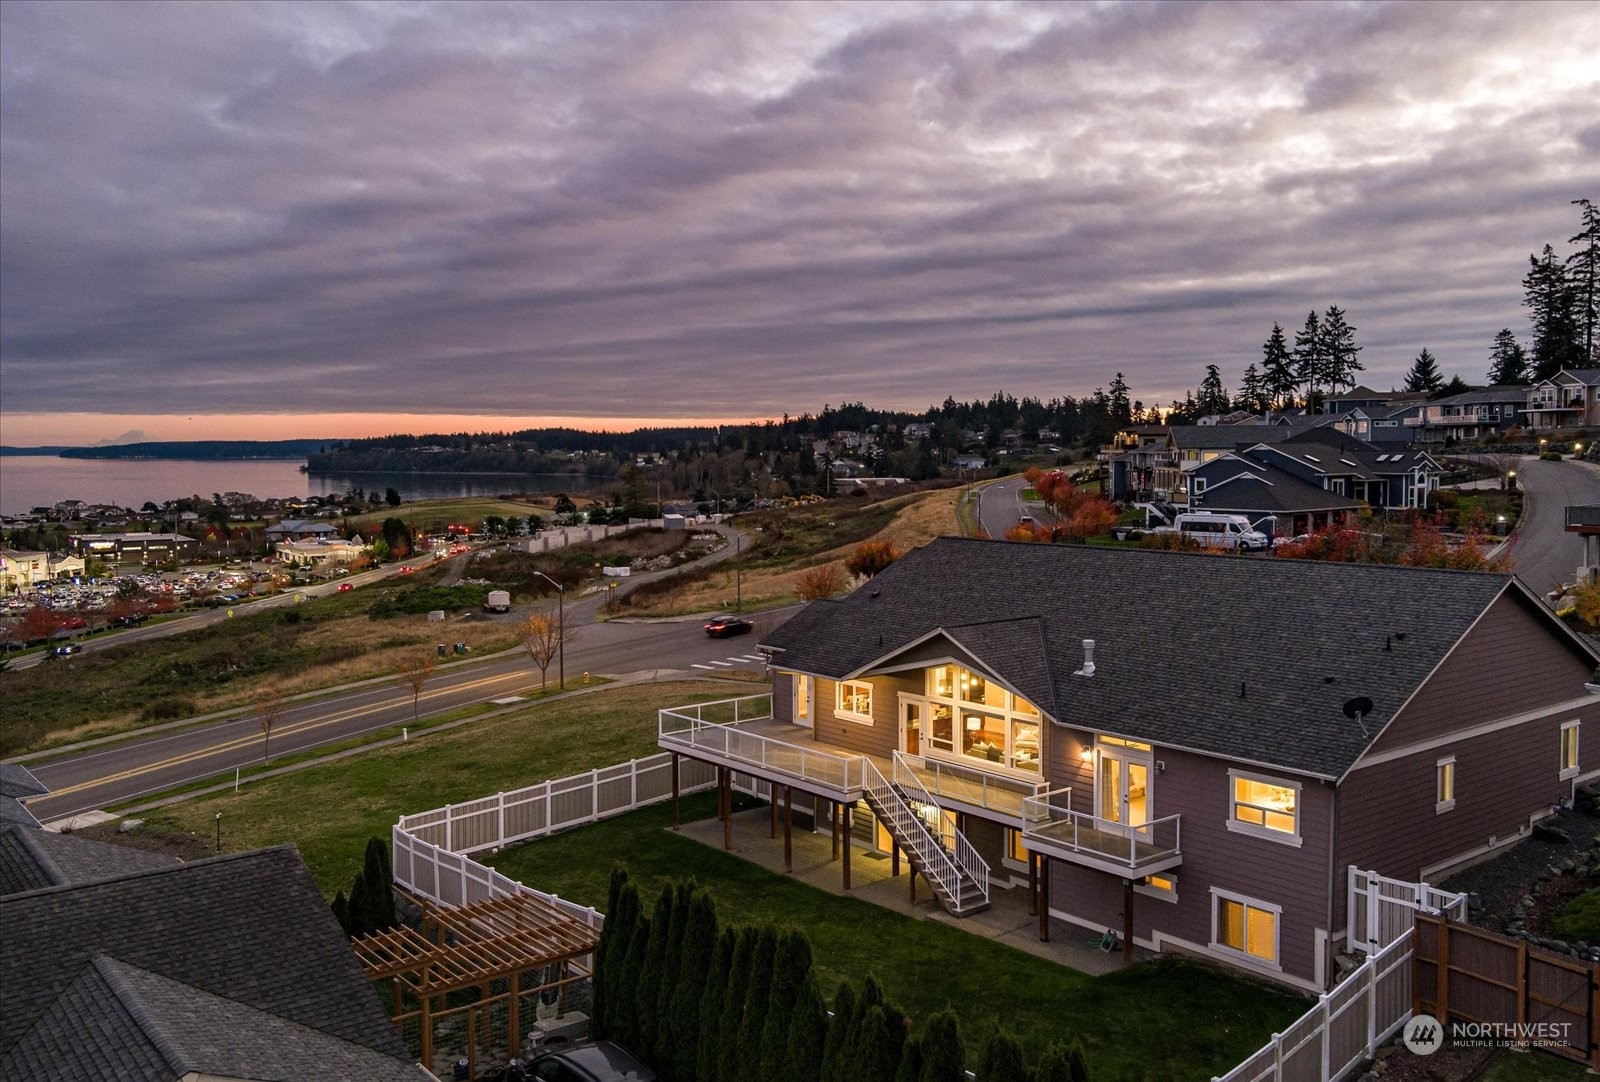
{"x": 1358, "y": 708}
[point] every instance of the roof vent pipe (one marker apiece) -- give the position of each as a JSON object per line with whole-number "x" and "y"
{"x": 1088, "y": 659}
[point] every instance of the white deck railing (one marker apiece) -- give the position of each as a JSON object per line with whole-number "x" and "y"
{"x": 1050, "y": 824}
{"x": 715, "y": 728}
{"x": 939, "y": 864}
{"x": 1346, "y": 1027}
{"x": 973, "y": 787}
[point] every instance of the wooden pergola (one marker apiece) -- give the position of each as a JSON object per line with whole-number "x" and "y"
{"x": 471, "y": 947}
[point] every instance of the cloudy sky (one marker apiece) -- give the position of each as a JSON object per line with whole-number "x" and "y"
{"x": 327, "y": 219}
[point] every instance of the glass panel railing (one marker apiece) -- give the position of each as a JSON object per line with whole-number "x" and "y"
{"x": 717, "y": 729}
{"x": 1051, "y": 825}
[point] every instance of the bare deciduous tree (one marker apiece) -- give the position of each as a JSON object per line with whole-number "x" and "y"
{"x": 269, "y": 707}
{"x": 821, "y": 581}
{"x": 542, "y": 633}
{"x": 414, "y": 672}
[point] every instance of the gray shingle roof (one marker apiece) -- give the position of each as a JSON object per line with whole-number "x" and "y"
{"x": 250, "y": 927}
{"x": 119, "y": 1021}
{"x": 1251, "y": 487}
{"x": 1233, "y": 667}
{"x": 60, "y": 859}
{"x": 17, "y": 781}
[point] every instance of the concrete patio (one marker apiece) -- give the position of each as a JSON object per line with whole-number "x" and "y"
{"x": 1006, "y": 920}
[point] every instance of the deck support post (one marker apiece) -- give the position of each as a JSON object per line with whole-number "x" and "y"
{"x": 1044, "y": 898}
{"x": 912, "y": 880}
{"x": 1033, "y": 883}
{"x": 816, "y": 812}
{"x": 674, "y": 790}
{"x": 894, "y": 857}
{"x": 427, "y": 1029}
{"x": 773, "y": 805}
{"x": 844, "y": 828}
{"x": 833, "y": 822}
{"x": 788, "y": 828}
{"x": 1127, "y": 922}
{"x": 514, "y": 1017}
{"x": 727, "y": 808}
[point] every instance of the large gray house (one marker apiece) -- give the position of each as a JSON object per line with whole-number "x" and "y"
{"x": 1191, "y": 747}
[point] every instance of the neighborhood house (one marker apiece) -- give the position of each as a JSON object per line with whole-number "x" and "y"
{"x": 1189, "y": 750}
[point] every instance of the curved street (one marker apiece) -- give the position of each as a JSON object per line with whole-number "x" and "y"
{"x": 1545, "y": 554}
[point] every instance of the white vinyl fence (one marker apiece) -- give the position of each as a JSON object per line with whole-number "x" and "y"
{"x": 1382, "y": 909}
{"x": 431, "y": 849}
{"x": 1344, "y": 1029}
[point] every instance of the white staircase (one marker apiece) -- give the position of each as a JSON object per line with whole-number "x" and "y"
{"x": 959, "y": 877}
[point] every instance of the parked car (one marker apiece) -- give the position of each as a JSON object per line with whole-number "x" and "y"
{"x": 589, "y": 1061}
{"x": 721, "y": 627}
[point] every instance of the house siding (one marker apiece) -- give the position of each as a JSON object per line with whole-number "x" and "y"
{"x": 1509, "y": 663}
{"x": 1506, "y": 666}
{"x": 1293, "y": 879}
{"x": 880, "y": 738}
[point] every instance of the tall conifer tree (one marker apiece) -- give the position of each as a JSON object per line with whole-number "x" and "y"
{"x": 1424, "y": 374}
{"x": 1277, "y": 370}
{"x": 1508, "y": 361}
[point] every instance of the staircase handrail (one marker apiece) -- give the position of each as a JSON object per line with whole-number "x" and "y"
{"x": 937, "y": 863}
{"x": 965, "y": 856}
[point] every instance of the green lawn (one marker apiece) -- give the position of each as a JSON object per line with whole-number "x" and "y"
{"x": 330, "y": 811}
{"x": 1162, "y": 1020}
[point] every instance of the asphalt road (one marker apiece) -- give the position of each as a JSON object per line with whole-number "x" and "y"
{"x": 1544, "y": 552}
{"x": 119, "y": 771}
{"x": 1000, "y": 506}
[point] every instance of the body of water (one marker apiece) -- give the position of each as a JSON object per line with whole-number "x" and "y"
{"x": 29, "y": 481}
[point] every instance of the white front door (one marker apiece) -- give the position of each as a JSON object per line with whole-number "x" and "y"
{"x": 912, "y": 712}
{"x": 1122, "y": 786}
{"x": 803, "y": 700}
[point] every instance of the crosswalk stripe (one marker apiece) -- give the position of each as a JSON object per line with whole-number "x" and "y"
{"x": 723, "y": 664}
{"x": 697, "y": 665}
{"x": 749, "y": 657}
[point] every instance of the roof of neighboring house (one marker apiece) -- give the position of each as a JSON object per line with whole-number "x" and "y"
{"x": 1502, "y": 393}
{"x": 1237, "y": 484}
{"x": 1225, "y": 437}
{"x": 1236, "y": 669}
{"x": 1589, "y": 377}
{"x": 17, "y": 781}
{"x": 31, "y": 858}
{"x": 120, "y": 1021}
{"x": 249, "y": 928}
{"x": 1338, "y": 453}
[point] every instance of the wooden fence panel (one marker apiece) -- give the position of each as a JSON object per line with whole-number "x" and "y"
{"x": 1472, "y": 975}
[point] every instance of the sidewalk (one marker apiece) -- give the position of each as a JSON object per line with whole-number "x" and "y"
{"x": 1005, "y": 921}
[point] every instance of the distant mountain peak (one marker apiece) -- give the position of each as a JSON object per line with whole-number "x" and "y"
{"x": 133, "y": 435}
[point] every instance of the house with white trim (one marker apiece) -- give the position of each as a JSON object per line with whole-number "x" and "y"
{"x": 1011, "y": 716}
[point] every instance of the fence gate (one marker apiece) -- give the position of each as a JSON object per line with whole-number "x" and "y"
{"x": 1381, "y": 910}
{"x": 1472, "y": 975}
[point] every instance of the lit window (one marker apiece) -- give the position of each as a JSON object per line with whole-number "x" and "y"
{"x": 1163, "y": 886}
{"x": 1444, "y": 784}
{"x": 1569, "y": 750}
{"x": 1245, "y": 926}
{"x": 1265, "y": 807}
{"x": 855, "y": 699}
{"x": 1015, "y": 850}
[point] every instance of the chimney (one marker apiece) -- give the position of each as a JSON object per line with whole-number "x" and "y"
{"x": 1088, "y": 659}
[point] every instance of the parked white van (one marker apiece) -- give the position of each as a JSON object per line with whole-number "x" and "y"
{"x": 1219, "y": 531}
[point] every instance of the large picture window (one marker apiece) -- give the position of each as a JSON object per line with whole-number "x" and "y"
{"x": 1245, "y": 926}
{"x": 978, "y": 719}
{"x": 1265, "y": 807}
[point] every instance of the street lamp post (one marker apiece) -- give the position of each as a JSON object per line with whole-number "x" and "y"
{"x": 561, "y": 629}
